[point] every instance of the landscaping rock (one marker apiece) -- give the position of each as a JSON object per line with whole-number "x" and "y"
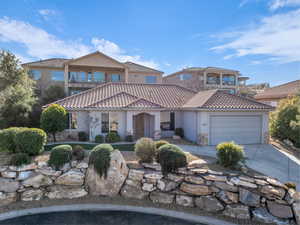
{"x": 263, "y": 216}
{"x": 31, "y": 195}
{"x": 48, "y": 171}
{"x": 174, "y": 177}
{"x": 273, "y": 192}
{"x": 249, "y": 198}
{"x": 209, "y": 204}
{"x": 280, "y": 210}
{"x": 71, "y": 178}
{"x": 129, "y": 191}
{"x": 7, "y": 198}
{"x": 66, "y": 167}
{"x": 136, "y": 174}
{"x": 9, "y": 174}
{"x": 161, "y": 197}
{"x": 134, "y": 183}
{"x": 195, "y": 189}
{"x": 3, "y": 168}
{"x": 228, "y": 186}
{"x": 197, "y": 163}
{"x": 31, "y": 166}
{"x": 275, "y": 182}
{"x": 8, "y": 185}
{"x": 153, "y": 177}
{"x": 148, "y": 187}
{"x": 25, "y": 174}
{"x": 153, "y": 166}
{"x": 166, "y": 185}
{"x": 228, "y": 197}
{"x": 296, "y": 209}
{"x": 194, "y": 179}
{"x": 242, "y": 183}
{"x": 116, "y": 175}
{"x": 211, "y": 177}
{"x": 185, "y": 200}
{"x": 237, "y": 211}
{"x": 82, "y": 165}
{"x": 36, "y": 181}
{"x": 59, "y": 192}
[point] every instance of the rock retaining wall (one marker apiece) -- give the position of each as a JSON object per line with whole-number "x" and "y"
{"x": 259, "y": 198}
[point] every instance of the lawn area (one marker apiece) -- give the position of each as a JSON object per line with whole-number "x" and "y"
{"x": 120, "y": 147}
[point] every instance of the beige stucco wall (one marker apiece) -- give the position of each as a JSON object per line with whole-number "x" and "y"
{"x": 136, "y": 77}
{"x": 96, "y": 61}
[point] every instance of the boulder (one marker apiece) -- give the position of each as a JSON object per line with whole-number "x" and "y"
{"x": 134, "y": 183}
{"x": 129, "y": 191}
{"x": 226, "y": 186}
{"x": 116, "y": 175}
{"x": 195, "y": 189}
{"x": 153, "y": 177}
{"x": 161, "y": 197}
{"x": 37, "y": 180}
{"x": 249, "y": 198}
{"x": 8, "y": 185}
{"x": 148, "y": 187}
{"x": 242, "y": 183}
{"x": 166, "y": 185}
{"x": 25, "y": 174}
{"x": 185, "y": 200}
{"x": 272, "y": 192}
{"x": 296, "y": 208}
{"x": 71, "y": 177}
{"x": 194, "y": 179}
{"x": 228, "y": 197}
{"x": 262, "y": 215}
{"x": 48, "y": 171}
{"x": 212, "y": 177}
{"x": 152, "y": 166}
{"x": 31, "y": 195}
{"x": 136, "y": 174}
{"x": 7, "y": 198}
{"x": 9, "y": 174}
{"x": 237, "y": 211}
{"x": 174, "y": 177}
{"x": 209, "y": 204}
{"x": 59, "y": 192}
{"x": 280, "y": 210}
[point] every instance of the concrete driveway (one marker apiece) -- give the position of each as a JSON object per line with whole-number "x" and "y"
{"x": 265, "y": 159}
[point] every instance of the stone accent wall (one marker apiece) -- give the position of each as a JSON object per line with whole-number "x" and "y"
{"x": 257, "y": 198}
{"x": 66, "y": 135}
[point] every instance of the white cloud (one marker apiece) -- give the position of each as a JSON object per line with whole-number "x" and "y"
{"x": 276, "y": 4}
{"x": 47, "y": 13}
{"x": 276, "y": 36}
{"x": 40, "y": 44}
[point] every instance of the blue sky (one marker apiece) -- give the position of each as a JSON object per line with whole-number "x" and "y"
{"x": 260, "y": 38}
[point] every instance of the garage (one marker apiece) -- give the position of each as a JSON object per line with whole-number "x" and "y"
{"x": 237, "y": 128}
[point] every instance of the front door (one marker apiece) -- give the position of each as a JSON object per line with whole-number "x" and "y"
{"x": 143, "y": 124}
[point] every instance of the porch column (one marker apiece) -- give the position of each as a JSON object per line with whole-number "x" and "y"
{"x": 157, "y": 132}
{"x": 126, "y": 75}
{"x": 129, "y": 123}
{"x": 221, "y": 79}
{"x": 66, "y": 79}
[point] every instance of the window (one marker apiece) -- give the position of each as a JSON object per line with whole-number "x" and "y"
{"x": 89, "y": 77}
{"x": 35, "y": 74}
{"x": 99, "y": 76}
{"x": 213, "y": 78}
{"x": 230, "y": 91}
{"x": 185, "y": 76}
{"x": 150, "y": 79}
{"x": 77, "y": 76}
{"x": 74, "y": 92}
{"x": 104, "y": 122}
{"x": 115, "y": 77}
{"x": 58, "y": 75}
{"x": 72, "y": 120}
{"x": 167, "y": 121}
{"x": 228, "y": 79}
{"x": 113, "y": 121}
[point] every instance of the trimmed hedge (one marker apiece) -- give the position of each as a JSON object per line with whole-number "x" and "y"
{"x": 112, "y": 137}
{"x": 100, "y": 158}
{"x": 20, "y": 159}
{"x": 145, "y": 149}
{"x": 171, "y": 157}
{"x": 99, "y": 139}
{"x": 160, "y": 143}
{"x": 82, "y": 136}
{"x": 230, "y": 154}
{"x": 60, "y": 155}
{"x": 21, "y": 139}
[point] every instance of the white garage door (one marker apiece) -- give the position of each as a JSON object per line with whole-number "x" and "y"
{"x": 240, "y": 129}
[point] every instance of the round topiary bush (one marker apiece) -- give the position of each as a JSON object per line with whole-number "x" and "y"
{"x": 20, "y": 159}
{"x": 100, "y": 158}
{"x": 171, "y": 157}
{"x": 160, "y": 143}
{"x": 112, "y": 137}
{"x": 60, "y": 155}
{"x": 78, "y": 152}
{"x": 145, "y": 149}
{"x": 99, "y": 139}
{"x": 230, "y": 154}
{"x": 7, "y": 139}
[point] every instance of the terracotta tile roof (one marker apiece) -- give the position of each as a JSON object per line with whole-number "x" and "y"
{"x": 220, "y": 100}
{"x": 122, "y": 94}
{"x": 54, "y": 62}
{"x": 133, "y": 67}
{"x": 281, "y": 91}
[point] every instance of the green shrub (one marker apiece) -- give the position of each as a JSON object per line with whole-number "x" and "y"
{"x": 82, "y": 136}
{"x": 7, "y": 139}
{"x": 100, "y": 158}
{"x": 145, "y": 149}
{"x": 99, "y": 139}
{"x": 230, "y": 154}
{"x": 78, "y": 152}
{"x": 291, "y": 185}
{"x": 60, "y": 155}
{"x": 160, "y": 143}
{"x": 179, "y": 132}
{"x": 171, "y": 157}
{"x": 112, "y": 137}
{"x": 129, "y": 138}
{"x": 30, "y": 141}
{"x": 20, "y": 159}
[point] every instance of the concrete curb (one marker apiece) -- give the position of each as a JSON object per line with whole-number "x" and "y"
{"x": 111, "y": 207}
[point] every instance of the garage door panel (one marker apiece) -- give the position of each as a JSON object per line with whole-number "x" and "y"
{"x": 240, "y": 129}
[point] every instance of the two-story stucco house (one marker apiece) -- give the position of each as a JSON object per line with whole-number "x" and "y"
{"x": 200, "y": 79}
{"x": 88, "y": 71}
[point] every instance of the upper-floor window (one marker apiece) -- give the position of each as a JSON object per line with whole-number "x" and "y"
{"x": 230, "y": 91}
{"x": 213, "y": 78}
{"x": 99, "y": 76}
{"x": 185, "y": 76}
{"x": 228, "y": 79}
{"x": 77, "y": 76}
{"x": 167, "y": 120}
{"x": 150, "y": 79}
{"x": 115, "y": 77}
{"x": 35, "y": 74}
{"x": 89, "y": 77}
{"x": 58, "y": 75}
